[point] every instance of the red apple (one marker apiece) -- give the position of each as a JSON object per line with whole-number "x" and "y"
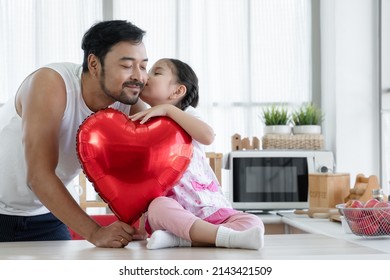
{"x": 350, "y": 212}
{"x": 354, "y": 226}
{"x": 382, "y": 214}
{"x": 367, "y": 226}
{"x": 384, "y": 226}
{"x": 371, "y": 203}
{"x": 382, "y": 211}
{"x": 354, "y": 204}
{"x": 383, "y": 204}
{"x": 363, "y": 227}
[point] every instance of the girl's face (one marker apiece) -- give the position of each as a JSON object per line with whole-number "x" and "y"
{"x": 161, "y": 87}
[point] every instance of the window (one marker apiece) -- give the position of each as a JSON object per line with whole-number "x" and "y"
{"x": 34, "y": 33}
{"x": 246, "y": 53}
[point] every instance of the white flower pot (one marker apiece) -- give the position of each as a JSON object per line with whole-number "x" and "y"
{"x": 307, "y": 129}
{"x": 277, "y": 129}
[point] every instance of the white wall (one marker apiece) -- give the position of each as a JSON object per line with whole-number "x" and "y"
{"x": 385, "y": 86}
{"x": 350, "y": 95}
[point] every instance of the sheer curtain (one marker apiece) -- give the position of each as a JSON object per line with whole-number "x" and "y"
{"x": 36, "y": 32}
{"x": 245, "y": 53}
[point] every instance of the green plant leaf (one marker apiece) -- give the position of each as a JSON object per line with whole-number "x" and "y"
{"x": 307, "y": 115}
{"x": 276, "y": 115}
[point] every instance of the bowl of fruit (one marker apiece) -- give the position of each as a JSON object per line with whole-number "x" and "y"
{"x": 368, "y": 219}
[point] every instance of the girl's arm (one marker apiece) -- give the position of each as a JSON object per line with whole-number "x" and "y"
{"x": 196, "y": 128}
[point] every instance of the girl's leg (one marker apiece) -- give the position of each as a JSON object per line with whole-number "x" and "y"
{"x": 248, "y": 232}
{"x": 173, "y": 226}
{"x": 242, "y": 221}
{"x": 204, "y": 233}
{"x": 167, "y": 214}
{"x": 169, "y": 224}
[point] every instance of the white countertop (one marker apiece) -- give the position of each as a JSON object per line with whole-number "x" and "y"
{"x": 327, "y": 228}
{"x": 277, "y": 247}
{"x": 326, "y": 241}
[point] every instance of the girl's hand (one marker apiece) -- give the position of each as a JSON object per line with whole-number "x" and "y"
{"x": 144, "y": 116}
{"x": 196, "y": 128}
{"x": 140, "y": 233}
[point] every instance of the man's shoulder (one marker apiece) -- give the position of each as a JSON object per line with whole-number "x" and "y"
{"x": 61, "y": 66}
{"x": 69, "y": 72}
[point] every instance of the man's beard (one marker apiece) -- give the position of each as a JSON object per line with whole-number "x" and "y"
{"x": 123, "y": 97}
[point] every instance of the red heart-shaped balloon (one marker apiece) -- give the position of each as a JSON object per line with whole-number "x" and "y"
{"x": 130, "y": 164}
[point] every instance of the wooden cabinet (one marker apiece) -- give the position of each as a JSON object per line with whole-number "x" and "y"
{"x": 326, "y": 190}
{"x": 281, "y": 228}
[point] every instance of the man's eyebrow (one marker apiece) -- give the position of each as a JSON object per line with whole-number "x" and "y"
{"x": 132, "y": 58}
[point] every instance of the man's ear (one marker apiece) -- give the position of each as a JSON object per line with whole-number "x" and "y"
{"x": 179, "y": 92}
{"x": 93, "y": 65}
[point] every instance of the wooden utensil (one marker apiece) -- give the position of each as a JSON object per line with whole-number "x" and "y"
{"x": 318, "y": 212}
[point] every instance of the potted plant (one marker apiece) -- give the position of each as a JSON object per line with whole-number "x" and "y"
{"x": 307, "y": 120}
{"x": 276, "y": 119}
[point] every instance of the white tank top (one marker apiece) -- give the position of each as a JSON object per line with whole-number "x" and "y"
{"x": 16, "y": 198}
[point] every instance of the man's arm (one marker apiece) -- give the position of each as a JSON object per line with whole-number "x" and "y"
{"x": 41, "y": 103}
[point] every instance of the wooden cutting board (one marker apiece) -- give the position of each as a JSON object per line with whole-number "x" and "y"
{"x": 319, "y": 212}
{"x": 335, "y": 218}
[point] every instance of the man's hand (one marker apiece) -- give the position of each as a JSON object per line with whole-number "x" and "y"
{"x": 116, "y": 235}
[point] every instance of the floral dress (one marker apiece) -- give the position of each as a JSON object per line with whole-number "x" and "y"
{"x": 198, "y": 191}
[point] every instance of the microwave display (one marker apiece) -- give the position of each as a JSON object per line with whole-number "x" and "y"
{"x": 270, "y": 179}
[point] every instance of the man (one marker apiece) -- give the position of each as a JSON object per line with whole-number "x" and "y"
{"x": 38, "y": 136}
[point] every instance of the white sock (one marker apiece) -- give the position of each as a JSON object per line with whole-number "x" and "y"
{"x": 252, "y": 238}
{"x": 164, "y": 239}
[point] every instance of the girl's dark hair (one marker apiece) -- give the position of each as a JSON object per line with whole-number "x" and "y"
{"x": 99, "y": 39}
{"x": 187, "y": 77}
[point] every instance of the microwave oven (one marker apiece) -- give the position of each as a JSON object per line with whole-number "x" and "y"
{"x": 265, "y": 180}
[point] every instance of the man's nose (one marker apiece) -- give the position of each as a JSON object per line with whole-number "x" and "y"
{"x": 139, "y": 75}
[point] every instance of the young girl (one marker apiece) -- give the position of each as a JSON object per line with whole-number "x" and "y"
{"x": 195, "y": 212}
